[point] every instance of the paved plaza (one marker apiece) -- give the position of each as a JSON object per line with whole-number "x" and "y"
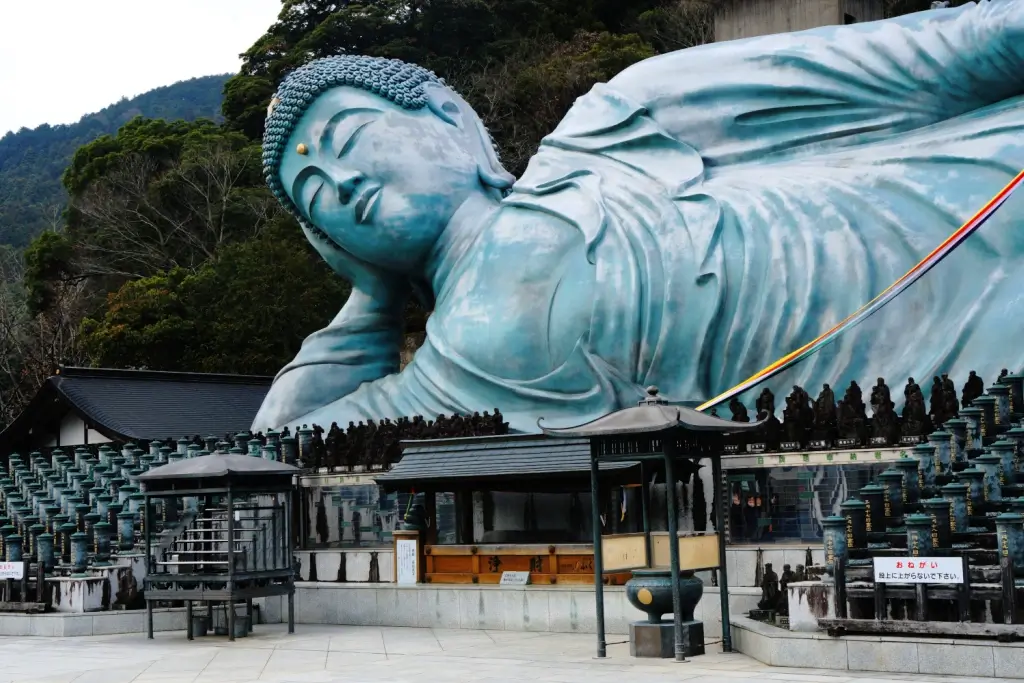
{"x": 397, "y": 655}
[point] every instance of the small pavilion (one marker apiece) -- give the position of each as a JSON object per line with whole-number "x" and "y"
{"x": 655, "y": 430}
{"x": 235, "y": 540}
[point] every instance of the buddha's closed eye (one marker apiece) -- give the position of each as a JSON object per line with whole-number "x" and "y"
{"x": 343, "y": 130}
{"x": 349, "y": 138}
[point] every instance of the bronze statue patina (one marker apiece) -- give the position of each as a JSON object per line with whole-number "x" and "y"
{"x": 687, "y": 223}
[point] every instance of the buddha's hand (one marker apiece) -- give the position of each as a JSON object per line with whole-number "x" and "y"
{"x": 360, "y": 345}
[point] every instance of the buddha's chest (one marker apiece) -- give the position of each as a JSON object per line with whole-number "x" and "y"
{"x": 518, "y": 308}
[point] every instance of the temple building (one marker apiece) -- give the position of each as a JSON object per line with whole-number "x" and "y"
{"x": 83, "y": 406}
{"x": 748, "y": 18}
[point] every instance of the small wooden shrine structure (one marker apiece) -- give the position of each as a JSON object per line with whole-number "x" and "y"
{"x": 652, "y": 431}
{"x": 237, "y": 540}
{"x": 526, "y": 463}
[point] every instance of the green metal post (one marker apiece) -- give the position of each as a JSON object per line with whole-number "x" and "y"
{"x": 673, "y": 551}
{"x": 723, "y": 573}
{"x": 602, "y": 648}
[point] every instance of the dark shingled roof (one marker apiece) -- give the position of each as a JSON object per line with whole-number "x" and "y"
{"x": 146, "y": 405}
{"x": 506, "y": 458}
{"x": 220, "y": 471}
{"x": 218, "y": 465}
{"x": 653, "y": 414}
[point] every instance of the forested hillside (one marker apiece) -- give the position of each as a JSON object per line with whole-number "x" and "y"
{"x": 173, "y": 255}
{"x": 32, "y": 160}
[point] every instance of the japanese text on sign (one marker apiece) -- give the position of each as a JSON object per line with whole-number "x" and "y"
{"x": 919, "y": 570}
{"x": 405, "y": 561}
{"x": 514, "y": 578}
{"x": 11, "y": 570}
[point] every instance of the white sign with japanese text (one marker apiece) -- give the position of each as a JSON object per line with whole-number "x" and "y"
{"x": 919, "y": 570}
{"x": 514, "y": 578}
{"x": 405, "y": 561}
{"x": 12, "y": 570}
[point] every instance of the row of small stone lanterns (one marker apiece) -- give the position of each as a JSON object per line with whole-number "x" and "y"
{"x": 968, "y": 472}
{"x": 62, "y": 509}
{"x": 70, "y": 510}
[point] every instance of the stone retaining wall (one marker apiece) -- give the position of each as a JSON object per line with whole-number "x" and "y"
{"x": 889, "y": 654}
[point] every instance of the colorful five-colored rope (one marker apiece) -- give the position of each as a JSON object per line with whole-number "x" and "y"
{"x": 912, "y": 276}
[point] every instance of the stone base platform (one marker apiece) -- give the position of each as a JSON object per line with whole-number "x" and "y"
{"x": 64, "y": 624}
{"x": 112, "y": 622}
{"x": 889, "y": 654}
{"x": 659, "y": 640}
{"x": 553, "y": 609}
{"x": 101, "y": 588}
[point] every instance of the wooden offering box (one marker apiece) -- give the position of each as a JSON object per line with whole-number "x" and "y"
{"x": 569, "y": 563}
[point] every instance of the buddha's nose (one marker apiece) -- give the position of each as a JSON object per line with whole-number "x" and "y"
{"x": 347, "y": 187}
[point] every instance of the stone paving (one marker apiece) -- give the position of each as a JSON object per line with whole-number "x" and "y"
{"x": 322, "y": 654}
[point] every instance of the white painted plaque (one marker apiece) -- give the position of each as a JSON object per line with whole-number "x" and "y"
{"x": 405, "y": 560}
{"x": 514, "y": 578}
{"x": 919, "y": 570}
{"x": 11, "y": 570}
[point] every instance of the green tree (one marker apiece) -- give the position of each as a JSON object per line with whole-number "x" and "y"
{"x": 34, "y": 342}
{"x": 160, "y": 195}
{"x": 49, "y": 263}
{"x": 258, "y": 300}
{"x": 32, "y": 160}
{"x": 459, "y": 39}
{"x": 544, "y": 79}
{"x": 245, "y": 311}
{"x": 146, "y": 324}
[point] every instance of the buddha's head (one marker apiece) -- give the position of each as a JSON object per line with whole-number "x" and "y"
{"x": 374, "y": 156}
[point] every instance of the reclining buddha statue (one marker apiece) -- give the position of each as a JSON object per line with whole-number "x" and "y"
{"x": 687, "y": 223}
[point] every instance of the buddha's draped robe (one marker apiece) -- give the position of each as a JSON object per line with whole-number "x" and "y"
{"x": 737, "y": 200}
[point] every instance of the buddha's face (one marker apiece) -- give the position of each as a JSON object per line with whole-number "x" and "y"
{"x": 380, "y": 181}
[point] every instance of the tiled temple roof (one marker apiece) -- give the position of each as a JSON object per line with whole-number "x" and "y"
{"x": 532, "y": 458}
{"x": 144, "y": 404}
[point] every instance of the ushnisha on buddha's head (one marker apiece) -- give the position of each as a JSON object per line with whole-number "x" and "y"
{"x": 375, "y": 156}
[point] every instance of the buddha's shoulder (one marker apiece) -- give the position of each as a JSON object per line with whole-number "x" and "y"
{"x": 518, "y": 302}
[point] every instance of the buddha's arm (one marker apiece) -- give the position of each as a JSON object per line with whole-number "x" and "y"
{"x": 738, "y": 101}
{"x": 360, "y": 345}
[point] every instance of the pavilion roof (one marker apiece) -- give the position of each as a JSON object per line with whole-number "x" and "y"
{"x": 652, "y": 414}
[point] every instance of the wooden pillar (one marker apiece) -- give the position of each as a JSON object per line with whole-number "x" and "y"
{"x": 464, "y": 517}
{"x": 231, "y": 565}
{"x": 645, "y": 501}
{"x": 430, "y": 511}
{"x": 488, "y": 503}
{"x": 289, "y": 557}
{"x": 964, "y": 592}
{"x": 298, "y": 515}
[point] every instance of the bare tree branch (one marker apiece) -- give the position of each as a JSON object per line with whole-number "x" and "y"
{"x": 31, "y": 348}
{"x": 137, "y": 219}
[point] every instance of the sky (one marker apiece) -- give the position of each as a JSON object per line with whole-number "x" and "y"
{"x": 62, "y": 59}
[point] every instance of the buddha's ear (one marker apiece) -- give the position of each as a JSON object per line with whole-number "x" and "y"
{"x": 448, "y": 106}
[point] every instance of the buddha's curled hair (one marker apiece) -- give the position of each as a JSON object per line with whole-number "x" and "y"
{"x": 400, "y": 82}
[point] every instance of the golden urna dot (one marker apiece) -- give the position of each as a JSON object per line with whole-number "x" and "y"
{"x": 644, "y": 596}
{"x": 302, "y": 149}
